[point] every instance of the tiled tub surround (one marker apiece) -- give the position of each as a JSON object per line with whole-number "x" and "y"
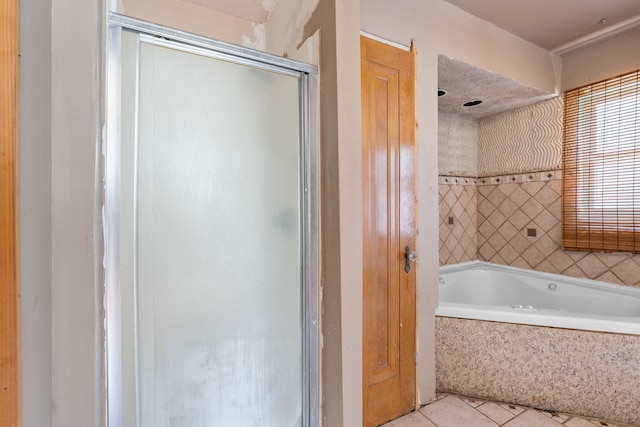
{"x": 508, "y": 168}
{"x": 458, "y": 201}
{"x": 515, "y": 220}
{"x": 585, "y": 373}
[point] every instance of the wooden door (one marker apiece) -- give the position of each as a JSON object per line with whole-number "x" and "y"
{"x": 9, "y": 378}
{"x": 389, "y": 305}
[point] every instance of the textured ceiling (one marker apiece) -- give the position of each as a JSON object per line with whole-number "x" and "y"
{"x": 463, "y": 83}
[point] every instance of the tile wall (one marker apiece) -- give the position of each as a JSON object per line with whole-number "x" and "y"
{"x": 513, "y": 219}
{"x": 458, "y": 203}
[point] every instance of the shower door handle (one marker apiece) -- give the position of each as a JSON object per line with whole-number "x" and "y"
{"x": 409, "y": 256}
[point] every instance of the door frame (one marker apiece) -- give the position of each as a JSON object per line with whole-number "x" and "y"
{"x": 309, "y": 193}
{"x": 408, "y": 128}
{"x": 10, "y": 401}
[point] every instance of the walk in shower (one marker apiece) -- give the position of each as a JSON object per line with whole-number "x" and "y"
{"x": 211, "y": 233}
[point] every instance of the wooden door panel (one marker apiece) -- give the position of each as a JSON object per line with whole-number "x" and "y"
{"x": 381, "y": 310}
{"x": 9, "y": 292}
{"x": 388, "y": 150}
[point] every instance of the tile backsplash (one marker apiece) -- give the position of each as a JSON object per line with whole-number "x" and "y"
{"x": 515, "y": 220}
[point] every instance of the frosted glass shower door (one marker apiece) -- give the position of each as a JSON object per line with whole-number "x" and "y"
{"x": 212, "y": 231}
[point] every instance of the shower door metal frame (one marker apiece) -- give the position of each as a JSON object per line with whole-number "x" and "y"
{"x": 309, "y": 196}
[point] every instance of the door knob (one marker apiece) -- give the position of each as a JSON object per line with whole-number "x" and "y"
{"x": 409, "y": 256}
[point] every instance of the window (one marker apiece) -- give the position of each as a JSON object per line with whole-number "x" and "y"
{"x": 601, "y": 166}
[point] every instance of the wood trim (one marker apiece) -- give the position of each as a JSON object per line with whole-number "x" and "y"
{"x": 9, "y": 307}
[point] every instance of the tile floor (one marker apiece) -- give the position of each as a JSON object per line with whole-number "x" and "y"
{"x": 458, "y": 411}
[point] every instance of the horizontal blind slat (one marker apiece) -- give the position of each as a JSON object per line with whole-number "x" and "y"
{"x": 601, "y": 166}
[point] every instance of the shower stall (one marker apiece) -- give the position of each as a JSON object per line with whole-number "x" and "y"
{"x": 211, "y": 226}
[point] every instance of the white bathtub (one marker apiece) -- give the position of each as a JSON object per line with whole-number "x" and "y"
{"x": 484, "y": 291}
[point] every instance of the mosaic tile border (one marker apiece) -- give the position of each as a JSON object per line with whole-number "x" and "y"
{"x": 457, "y": 180}
{"x": 540, "y": 176}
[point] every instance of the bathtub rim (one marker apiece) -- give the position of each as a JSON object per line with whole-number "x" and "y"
{"x": 541, "y": 317}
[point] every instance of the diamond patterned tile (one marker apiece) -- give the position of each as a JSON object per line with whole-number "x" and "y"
{"x": 628, "y": 271}
{"x": 545, "y": 220}
{"x": 498, "y": 234}
{"x": 486, "y": 230}
{"x": 532, "y": 187}
{"x": 546, "y": 245}
{"x": 560, "y": 260}
{"x": 592, "y": 266}
{"x": 609, "y": 277}
{"x": 485, "y": 208}
{"x": 496, "y": 218}
{"x": 612, "y": 259}
{"x": 532, "y": 208}
{"x": 532, "y": 256}
{"x": 519, "y": 196}
{"x": 497, "y": 242}
{"x": 508, "y": 254}
{"x": 556, "y": 210}
{"x": 496, "y": 197}
{"x": 508, "y": 208}
{"x": 508, "y": 231}
{"x": 507, "y": 189}
{"x": 519, "y": 219}
{"x": 546, "y": 196}
{"x": 520, "y": 242}
{"x": 546, "y": 267}
{"x": 486, "y": 252}
{"x": 574, "y": 271}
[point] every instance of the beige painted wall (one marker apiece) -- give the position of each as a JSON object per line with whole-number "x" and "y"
{"x": 602, "y": 60}
{"x": 195, "y": 19}
{"x": 76, "y": 188}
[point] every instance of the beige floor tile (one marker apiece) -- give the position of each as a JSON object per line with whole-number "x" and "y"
{"x": 474, "y": 403}
{"x": 453, "y": 412}
{"x": 514, "y": 409}
{"x": 532, "y": 418}
{"x": 578, "y": 422}
{"x": 414, "y": 419}
{"x": 496, "y": 412}
{"x": 556, "y": 416}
